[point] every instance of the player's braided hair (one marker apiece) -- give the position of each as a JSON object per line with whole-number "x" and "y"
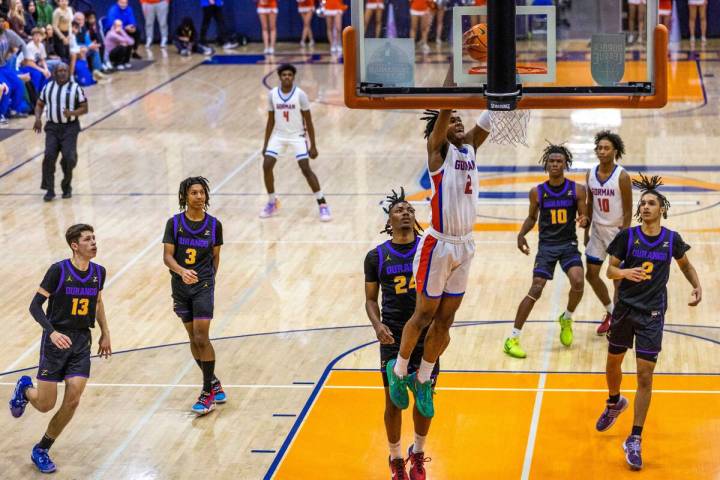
{"x": 391, "y": 201}
{"x": 185, "y": 186}
{"x": 650, "y": 185}
{"x": 613, "y": 138}
{"x": 552, "y": 148}
{"x": 430, "y": 117}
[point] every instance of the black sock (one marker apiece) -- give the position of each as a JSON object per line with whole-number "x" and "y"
{"x": 199, "y": 363}
{"x": 321, "y": 201}
{"x": 208, "y": 369}
{"x": 46, "y": 442}
{"x": 636, "y": 430}
{"x": 613, "y": 399}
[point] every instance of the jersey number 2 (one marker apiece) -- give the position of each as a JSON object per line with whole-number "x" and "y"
{"x": 80, "y": 306}
{"x": 468, "y": 186}
{"x": 286, "y": 114}
{"x": 604, "y": 204}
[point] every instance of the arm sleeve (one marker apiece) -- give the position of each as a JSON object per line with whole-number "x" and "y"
{"x": 38, "y": 314}
{"x": 271, "y": 107}
{"x": 51, "y": 280}
{"x": 618, "y": 247}
{"x": 371, "y": 266}
{"x": 679, "y": 247}
{"x": 169, "y": 236}
{"x": 304, "y": 102}
{"x": 218, "y": 234}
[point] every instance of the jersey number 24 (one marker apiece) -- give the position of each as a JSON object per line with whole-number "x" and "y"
{"x": 401, "y": 284}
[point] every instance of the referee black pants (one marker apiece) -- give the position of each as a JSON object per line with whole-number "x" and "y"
{"x": 60, "y": 138}
{"x": 212, "y": 12}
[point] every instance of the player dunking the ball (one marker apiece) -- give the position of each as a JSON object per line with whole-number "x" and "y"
{"x": 609, "y": 200}
{"x": 560, "y": 204}
{"x": 74, "y": 289}
{"x": 645, "y": 252}
{"x": 389, "y": 267}
{"x": 289, "y": 124}
{"x": 191, "y": 250}
{"x": 442, "y": 262}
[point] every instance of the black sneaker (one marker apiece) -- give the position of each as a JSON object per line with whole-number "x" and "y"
{"x": 67, "y": 195}
{"x": 49, "y": 196}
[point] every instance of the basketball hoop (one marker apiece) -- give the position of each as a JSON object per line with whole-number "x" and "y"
{"x": 521, "y": 70}
{"x": 509, "y": 127}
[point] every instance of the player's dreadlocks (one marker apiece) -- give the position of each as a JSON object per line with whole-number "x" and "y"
{"x": 650, "y": 185}
{"x": 430, "y": 118}
{"x": 552, "y": 148}
{"x": 390, "y": 202}
{"x": 185, "y": 186}
{"x": 613, "y": 138}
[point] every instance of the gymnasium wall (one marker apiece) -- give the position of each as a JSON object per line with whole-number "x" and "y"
{"x": 241, "y": 18}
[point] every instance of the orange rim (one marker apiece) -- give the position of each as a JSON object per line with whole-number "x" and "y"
{"x": 521, "y": 70}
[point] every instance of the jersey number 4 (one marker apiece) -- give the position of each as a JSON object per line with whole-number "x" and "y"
{"x": 286, "y": 114}
{"x": 401, "y": 285}
{"x": 604, "y": 204}
{"x": 80, "y": 306}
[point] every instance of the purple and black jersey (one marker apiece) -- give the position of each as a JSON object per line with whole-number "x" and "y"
{"x": 73, "y": 295}
{"x": 558, "y": 209}
{"x": 654, "y": 255}
{"x": 194, "y": 243}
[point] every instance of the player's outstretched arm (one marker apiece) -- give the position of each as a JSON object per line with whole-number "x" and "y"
{"x": 104, "y": 348}
{"x": 626, "y": 196}
{"x": 529, "y": 222}
{"x": 477, "y": 135}
{"x": 691, "y": 275}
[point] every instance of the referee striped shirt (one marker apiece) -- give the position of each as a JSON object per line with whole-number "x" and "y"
{"x": 58, "y": 98}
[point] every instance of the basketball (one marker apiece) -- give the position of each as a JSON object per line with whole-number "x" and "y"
{"x": 475, "y": 42}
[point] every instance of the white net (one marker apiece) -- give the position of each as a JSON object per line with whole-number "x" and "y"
{"x": 509, "y": 127}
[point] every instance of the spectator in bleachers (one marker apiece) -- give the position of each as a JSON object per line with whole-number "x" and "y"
{"x": 334, "y": 10}
{"x": 4, "y": 8}
{"x": 30, "y": 17}
{"x": 53, "y": 59}
{"x": 213, "y": 9}
{"x": 119, "y": 45}
{"x": 16, "y": 17}
{"x": 92, "y": 52}
{"x": 374, "y": 10}
{"x": 37, "y": 69}
{"x": 124, "y": 12}
{"x": 267, "y": 11}
{"x": 61, "y": 22}
{"x": 93, "y": 29}
{"x": 698, "y": 6}
{"x": 9, "y": 75}
{"x": 153, "y": 9}
{"x": 186, "y": 39}
{"x": 44, "y": 13}
{"x": 306, "y": 8}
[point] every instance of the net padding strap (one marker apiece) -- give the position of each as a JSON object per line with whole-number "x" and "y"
{"x": 509, "y": 127}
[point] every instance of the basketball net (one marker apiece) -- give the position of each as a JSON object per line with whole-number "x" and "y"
{"x": 509, "y": 127}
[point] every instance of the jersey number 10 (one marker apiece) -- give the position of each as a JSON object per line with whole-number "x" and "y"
{"x": 604, "y": 204}
{"x": 558, "y": 216}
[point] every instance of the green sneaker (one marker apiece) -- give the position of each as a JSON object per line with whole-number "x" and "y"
{"x": 566, "y": 335}
{"x": 512, "y": 347}
{"x": 423, "y": 393}
{"x": 397, "y": 386}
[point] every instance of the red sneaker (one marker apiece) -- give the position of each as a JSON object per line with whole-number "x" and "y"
{"x": 605, "y": 325}
{"x": 397, "y": 468}
{"x": 417, "y": 464}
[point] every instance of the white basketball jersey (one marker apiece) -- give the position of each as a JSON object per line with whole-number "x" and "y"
{"x": 455, "y": 192}
{"x": 607, "y": 199}
{"x": 289, "y": 122}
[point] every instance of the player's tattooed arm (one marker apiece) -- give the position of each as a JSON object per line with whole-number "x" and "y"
{"x": 626, "y": 196}
{"x": 691, "y": 275}
{"x": 372, "y": 308}
{"x": 529, "y": 222}
{"x": 104, "y": 348}
{"x": 582, "y": 218}
{"x": 614, "y": 272}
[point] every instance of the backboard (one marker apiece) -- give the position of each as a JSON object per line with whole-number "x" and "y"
{"x": 580, "y": 57}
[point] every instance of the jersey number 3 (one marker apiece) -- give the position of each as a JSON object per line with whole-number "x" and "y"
{"x": 191, "y": 253}
{"x": 80, "y": 306}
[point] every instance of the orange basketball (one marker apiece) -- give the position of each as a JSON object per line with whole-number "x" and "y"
{"x": 475, "y": 42}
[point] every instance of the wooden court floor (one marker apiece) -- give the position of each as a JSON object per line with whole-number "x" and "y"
{"x": 294, "y": 348}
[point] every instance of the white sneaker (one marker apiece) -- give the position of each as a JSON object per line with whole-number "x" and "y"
{"x": 311, "y": 42}
{"x": 120, "y": 67}
{"x": 270, "y": 209}
{"x": 163, "y": 43}
{"x": 148, "y": 45}
{"x": 266, "y": 51}
{"x": 128, "y": 65}
{"x": 425, "y": 48}
{"x": 230, "y": 45}
{"x": 325, "y": 213}
{"x": 271, "y": 50}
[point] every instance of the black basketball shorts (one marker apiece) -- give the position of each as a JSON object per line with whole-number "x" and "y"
{"x": 548, "y": 256}
{"x": 193, "y": 302}
{"x": 58, "y": 364}
{"x": 645, "y": 328}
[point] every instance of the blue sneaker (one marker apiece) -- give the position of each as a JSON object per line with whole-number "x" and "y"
{"x": 633, "y": 454}
{"x": 205, "y": 404}
{"x": 219, "y": 392}
{"x": 41, "y": 459}
{"x": 18, "y": 402}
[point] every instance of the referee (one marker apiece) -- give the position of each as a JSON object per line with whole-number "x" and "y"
{"x": 65, "y": 101}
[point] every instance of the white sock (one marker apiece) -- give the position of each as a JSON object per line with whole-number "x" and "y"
{"x": 319, "y": 195}
{"x": 419, "y": 445}
{"x": 271, "y": 197}
{"x": 425, "y": 370}
{"x": 515, "y": 333}
{"x": 401, "y": 366}
{"x": 568, "y": 314}
{"x": 609, "y": 307}
{"x": 395, "y": 450}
